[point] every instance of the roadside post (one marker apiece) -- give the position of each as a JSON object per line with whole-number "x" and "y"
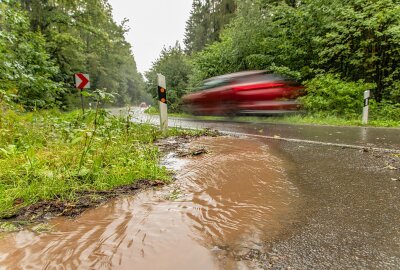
{"x": 367, "y": 94}
{"x": 162, "y": 101}
{"x": 82, "y": 81}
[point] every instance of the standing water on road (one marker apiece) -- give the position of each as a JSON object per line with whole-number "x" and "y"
{"x": 223, "y": 205}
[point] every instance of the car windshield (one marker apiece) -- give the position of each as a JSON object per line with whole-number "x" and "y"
{"x": 262, "y": 77}
{"x": 212, "y": 84}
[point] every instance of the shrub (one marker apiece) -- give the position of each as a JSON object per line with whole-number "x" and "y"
{"x": 385, "y": 110}
{"x": 328, "y": 93}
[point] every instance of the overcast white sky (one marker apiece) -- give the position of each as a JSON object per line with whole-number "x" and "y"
{"x": 153, "y": 23}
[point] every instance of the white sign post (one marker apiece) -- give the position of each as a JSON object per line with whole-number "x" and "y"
{"x": 367, "y": 94}
{"x": 162, "y": 101}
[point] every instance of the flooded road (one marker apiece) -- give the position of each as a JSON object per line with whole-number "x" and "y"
{"x": 224, "y": 206}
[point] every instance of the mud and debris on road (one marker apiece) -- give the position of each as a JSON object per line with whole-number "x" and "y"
{"x": 179, "y": 146}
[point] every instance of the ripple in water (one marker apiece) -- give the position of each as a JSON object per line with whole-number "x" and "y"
{"x": 233, "y": 198}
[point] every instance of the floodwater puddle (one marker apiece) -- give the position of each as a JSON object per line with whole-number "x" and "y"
{"x": 222, "y": 205}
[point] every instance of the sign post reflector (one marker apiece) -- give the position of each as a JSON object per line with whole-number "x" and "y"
{"x": 162, "y": 101}
{"x": 82, "y": 81}
{"x": 367, "y": 94}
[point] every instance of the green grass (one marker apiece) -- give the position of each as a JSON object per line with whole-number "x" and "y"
{"x": 52, "y": 155}
{"x": 154, "y": 111}
{"x": 151, "y": 110}
{"x": 323, "y": 120}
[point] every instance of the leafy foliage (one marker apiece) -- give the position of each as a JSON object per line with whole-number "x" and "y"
{"x": 49, "y": 155}
{"x": 174, "y": 65}
{"x": 26, "y": 70}
{"x": 357, "y": 40}
{"x": 44, "y": 43}
{"x": 328, "y": 93}
{"x": 207, "y": 20}
{"x": 385, "y": 110}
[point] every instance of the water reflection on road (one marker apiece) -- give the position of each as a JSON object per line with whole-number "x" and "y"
{"x": 359, "y": 136}
{"x": 223, "y": 204}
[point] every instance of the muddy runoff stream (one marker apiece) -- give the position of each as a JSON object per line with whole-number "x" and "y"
{"x": 223, "y": 205}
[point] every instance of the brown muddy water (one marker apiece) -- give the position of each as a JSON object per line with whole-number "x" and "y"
{"x": 222, "y": 206}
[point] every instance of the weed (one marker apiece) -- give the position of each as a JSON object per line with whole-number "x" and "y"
{"x": 175, "y": 194}
{"x": 8, "y": 227}
{"x": 43, "y": 228}
{"x": 48, "y": 155}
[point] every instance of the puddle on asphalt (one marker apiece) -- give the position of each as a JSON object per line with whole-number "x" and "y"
{"x": 223, "y": 204}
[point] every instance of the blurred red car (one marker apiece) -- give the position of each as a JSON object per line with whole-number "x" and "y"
{"x": 247, "y": 92}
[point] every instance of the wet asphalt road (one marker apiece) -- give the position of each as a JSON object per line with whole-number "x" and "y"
{"x": 387, "y": 138}
{"x": 349, "y": 217}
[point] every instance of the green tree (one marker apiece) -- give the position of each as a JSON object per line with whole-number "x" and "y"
{"x": 26, "y": 69}
{"x": 174, "y": 65}
{"x": 207, "y": 20}
{"x": 362, "y": 41}
{"x": 357, "y": 39}
{"x": 81, "y": 36}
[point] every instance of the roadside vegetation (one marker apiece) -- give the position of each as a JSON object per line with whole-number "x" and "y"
{"x": 44, "y": 43}
{"x": 337, "y": 49}
{"x": 51, "y": 155}
{"x": 49, "y": 150}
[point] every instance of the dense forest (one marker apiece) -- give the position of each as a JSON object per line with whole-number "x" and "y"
{"x": 337, "y": 48}
{"x": 44, "y": 42}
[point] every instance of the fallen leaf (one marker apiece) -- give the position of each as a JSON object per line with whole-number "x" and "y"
{"x": 18, "y": 201}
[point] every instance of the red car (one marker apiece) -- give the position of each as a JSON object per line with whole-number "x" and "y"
{"x": 247, "y": 92}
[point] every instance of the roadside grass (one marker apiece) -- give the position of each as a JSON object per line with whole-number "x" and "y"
{"x": 299, "y": 118}
{"x": 51, "y": 155}
{"x": 316, "y": 119}
{"x": 154, "y": 111}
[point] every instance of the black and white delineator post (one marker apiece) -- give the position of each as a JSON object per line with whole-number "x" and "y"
{"x": 162, "y": 101}
{"x": 367, "y": 94}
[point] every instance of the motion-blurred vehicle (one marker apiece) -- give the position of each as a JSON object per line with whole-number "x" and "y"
{"x": 247, "y": 92}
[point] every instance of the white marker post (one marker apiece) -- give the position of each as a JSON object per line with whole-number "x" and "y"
{"x": 367, "y": 94}
{"x": 162, "y": 101}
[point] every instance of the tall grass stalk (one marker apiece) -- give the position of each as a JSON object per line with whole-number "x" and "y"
{"x": 47, "y": 155}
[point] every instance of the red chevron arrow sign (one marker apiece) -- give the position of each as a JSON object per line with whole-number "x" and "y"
{"x": 82, "y": 81}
